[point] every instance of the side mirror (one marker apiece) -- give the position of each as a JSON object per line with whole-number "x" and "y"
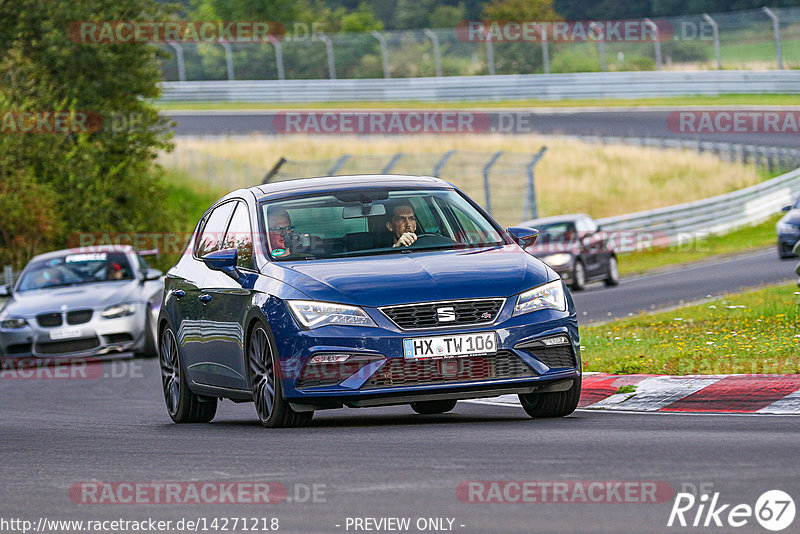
{"x": 786, "y": 208}
{"x": 224, "y": 261}
{"x": 148, "y": 275}
{"x": 524, "y": 236}
{"x": 5, "y": 291}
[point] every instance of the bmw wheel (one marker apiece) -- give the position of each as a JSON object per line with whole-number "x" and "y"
{"x": 613, "y": 272}
{"x": 554, "y": 404}
{"x": 183, "y": 406}
{"x": 433, "y": 407}
{"x": 271, "y": 407}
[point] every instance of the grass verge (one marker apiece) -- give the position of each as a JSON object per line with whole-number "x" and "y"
{"x": 699, "y": 100}
{"x": 742, "y": 240}
{"x": 751, "y": 332}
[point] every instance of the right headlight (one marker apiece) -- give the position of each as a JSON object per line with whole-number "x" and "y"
{"x": 786, "y": 228}
{"x": 547, "y": 296}
{"x": 13, "y": 322}
{"x": 313, "y": 314}
{"x": 557, "y": 260}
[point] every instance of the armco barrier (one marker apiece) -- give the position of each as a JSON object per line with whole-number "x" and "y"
{"x": 484, "y": 88}
{"x": 718, "y": 215}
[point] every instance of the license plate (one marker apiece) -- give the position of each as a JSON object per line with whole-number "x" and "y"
{"x": 452, "y": 346}
{"x": 65, "y": 333}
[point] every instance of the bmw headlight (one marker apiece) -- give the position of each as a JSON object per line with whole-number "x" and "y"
{"x": 547, "y": 296}
{"x": 119, "y": 310}
{"x": 13, "y": 322}
{"x": 557, "y": 260}
{"x": 313, "y": 314}
{"x": 787, "y": 228}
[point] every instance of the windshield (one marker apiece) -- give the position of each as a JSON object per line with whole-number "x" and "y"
{"x": 81, "y": 268}
{"x": 371, "y": 221}
{"x": 559, "y": 232}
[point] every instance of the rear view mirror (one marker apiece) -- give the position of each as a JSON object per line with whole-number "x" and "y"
{"x": 524, "y": 236}
{"x": 786, "y": 208}
{"x": 149, "y": 275}
{"x": 225, "y": 261}
{"x": 363, "y": 210}
{"x": 5, "y": 291}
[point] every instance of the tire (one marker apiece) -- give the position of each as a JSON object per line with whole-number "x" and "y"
{"x": 613, "y": 272}
{"x": 183, "y": 406}
{"x": 555, "y": 404}
{"x": 433, "y": 407}
{"x": 578, "y": 276}
{"x": 271, "y": 407}
{"x": 149, "y": 350}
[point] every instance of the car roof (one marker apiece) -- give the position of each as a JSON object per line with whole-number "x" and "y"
{"x": 555, "y": 219}
{"x": 332, "y": 183}
{"x": 94, "y": 248}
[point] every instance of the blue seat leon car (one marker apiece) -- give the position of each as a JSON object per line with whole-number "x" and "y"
{"x": 360, "y": 291}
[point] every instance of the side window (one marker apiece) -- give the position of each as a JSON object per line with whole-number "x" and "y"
{"x": 240, "y": 237}
{"x": 214, "y": 229}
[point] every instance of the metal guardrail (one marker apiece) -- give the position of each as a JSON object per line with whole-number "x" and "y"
{"x": 484, "y": 88}
{"x": 672, "y": 225}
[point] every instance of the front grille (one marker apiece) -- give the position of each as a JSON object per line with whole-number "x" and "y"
{"x": 72, "y": 345}
{"x": 554, "y": 357}
{"x": 49, "y": 319}
{"x": 401, "y": 372}
{"x": 79, "y": 316}
{"x": 425, "y": 315}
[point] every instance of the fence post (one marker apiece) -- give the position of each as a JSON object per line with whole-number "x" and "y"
{"x": 228, "y": 59}
{"x": 331, "y": 62}
{"x": 545, "y": 49}
{"x": 392, "y": 163}
{"x": 437, "y": 53}
{"x": 278, "y": 57}
{"x": 384, "y": 52}
{"x": 490, "y": 54}
{"x": 338, "y": 165}
{"x": 486, "y": 185}
{"x": 653, "y": 26}
{"x": 777, "y": 31}
{"x": 8, "y": 275}
{"x": 179, "y": 58}
{"x": 601, "y": 46}
{"x": 530, "y": 198}
{"x": 274, "y": 170}
{"x": 715, "y": 30}
{"x": 441, "y": 163}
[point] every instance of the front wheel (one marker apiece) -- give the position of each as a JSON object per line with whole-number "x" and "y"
{"x": 578, "y": 276}
{"x": 433, "y": 407}
{"x": 555, "y": 404}
{"x": 613, "y": 272}
{"x": 183, "y": 406}
{"x": 264, "y": 375}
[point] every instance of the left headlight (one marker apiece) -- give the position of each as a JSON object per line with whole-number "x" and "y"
{"x": 787, "y": 228}
{"x": 13, "y": 322}
{"x": 547, "y": 296}
{"x": 119, "y": 310}
{"x": 312, "y": 314}
{"x": 557, "y": 260}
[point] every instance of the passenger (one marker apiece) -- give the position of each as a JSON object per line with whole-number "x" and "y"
{"x": 114, "y": 271}
{"x": 403, "y": 225}
{"x": 279, "y": 224}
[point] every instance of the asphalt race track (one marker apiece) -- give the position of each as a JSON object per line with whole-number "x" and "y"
{"x": 58, "y": 433}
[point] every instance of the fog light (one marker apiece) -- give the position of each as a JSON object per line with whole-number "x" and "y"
{"x": 329, "y": 358}
{"x": 558, "y": 340}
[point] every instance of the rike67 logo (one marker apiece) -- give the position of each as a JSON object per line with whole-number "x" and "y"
{"x": 774, "y": 510}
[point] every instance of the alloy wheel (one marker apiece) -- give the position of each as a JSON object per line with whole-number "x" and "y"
{"x": 170, "y": 371}
{"x": 262, "y": 375}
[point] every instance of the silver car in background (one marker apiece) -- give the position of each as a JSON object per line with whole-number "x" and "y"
{"x": 71, "y": 303}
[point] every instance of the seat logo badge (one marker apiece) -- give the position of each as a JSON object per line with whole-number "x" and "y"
{"x": 446, "y": 315}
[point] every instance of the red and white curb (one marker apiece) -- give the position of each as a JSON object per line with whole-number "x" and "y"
{"x": 762, "y": 394}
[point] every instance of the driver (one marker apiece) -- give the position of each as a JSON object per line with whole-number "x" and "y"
{"x": 279, "y": 225}
{"x": 403, "y": 225}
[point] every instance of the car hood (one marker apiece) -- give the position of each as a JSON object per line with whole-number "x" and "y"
{"x": 97, "y": 295}
{"x": 420, "y": 276}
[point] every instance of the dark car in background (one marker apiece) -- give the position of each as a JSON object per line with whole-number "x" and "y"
{"x": 788, "y": 228}
{"x": 77, "y": 302}
{"x": 576, "y": 248}
{"x": 298, "y": 296}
